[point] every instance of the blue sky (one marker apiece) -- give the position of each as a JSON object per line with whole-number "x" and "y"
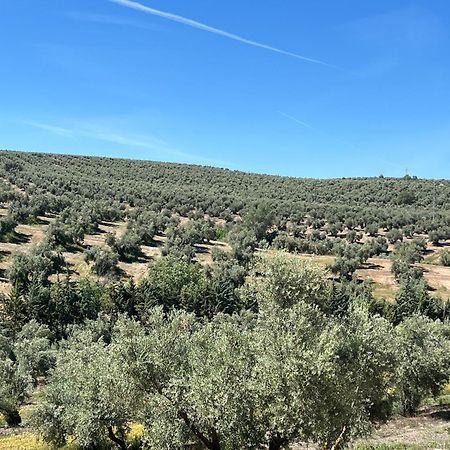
{"x": 302, "y": 88}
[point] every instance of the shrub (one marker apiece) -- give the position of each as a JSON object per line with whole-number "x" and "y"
{"x": 35, "y": 266}
{"x": 105, "y": 261}
{"x": 423, "y": 352}
{"x": 406, "y": 197}
{"x": 445, "y": 258}
{"x": 22, "y": 359}
{"x": 394, "y": 235}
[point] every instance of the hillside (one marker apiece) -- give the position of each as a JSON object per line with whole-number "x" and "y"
{"x": 108, "y": 191}
{"x": 142, "y": 302}
{"x": 175, "y": 185}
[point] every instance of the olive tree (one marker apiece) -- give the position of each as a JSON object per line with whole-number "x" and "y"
{"x": 258, "y": 219}
{"x": 23, "y": 358}
{"x": 445, "y": 258}
{"x": 88, "y": 395}
{"x": 35, "y": 266}
{"x": 423, "y": 352}
{"x": 104, "y": 261}
{"x": 394, "y": 235}
{"x": 317, "y": 379}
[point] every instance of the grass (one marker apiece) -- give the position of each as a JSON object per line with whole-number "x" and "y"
{"x": 26, "y": 441}
{"x": 20, "y": 441}
{"x": 23, "y": 439}
{"x": 385, "y": 291}
{"x": 402, "y": 446}
{"x": 434, "y": 258}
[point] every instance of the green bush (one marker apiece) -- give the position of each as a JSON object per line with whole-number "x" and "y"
{"x": 105, "y": 261}
{"x": 445, "y": 258}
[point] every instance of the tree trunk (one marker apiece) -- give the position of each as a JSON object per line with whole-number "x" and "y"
{"x": 410, "y": 404}
{"x": 277, "y": 442}
{"x": 12, "y": 417}
{"x": 118, "y": 441}
{"x": 215, "y": 440}
{"x": 213, "y": 444}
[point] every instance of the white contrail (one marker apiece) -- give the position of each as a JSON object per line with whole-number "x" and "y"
{"x": 294, "y": 119}
{"x": 201, "y": 26}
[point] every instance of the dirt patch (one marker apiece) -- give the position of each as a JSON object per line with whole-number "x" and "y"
{"x": 438, "y": 277}
{"x": 135, "y": 270}
{"x": 429, "y": 427}
{"x": 379, "y": 271}
{"x": 98, "y": 239}
{"x": 428, "y": 430}
{"x": 203, "y": 251}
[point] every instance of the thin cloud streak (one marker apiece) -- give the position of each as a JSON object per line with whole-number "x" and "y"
{"x": 338, "y": 140}
{"x": 144, "y": 142}
{"x": 201, "y": 26}
{"x": 109, "y": 20}
{"x": 53, "y": 129}
{"x": 294, "y": 119}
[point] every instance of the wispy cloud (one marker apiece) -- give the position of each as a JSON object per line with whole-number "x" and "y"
{"x": 110, "y": 20}
{"x": 101, "y": 133}
{"x": 201, "y": 26}
{"x": 52, "y": 128}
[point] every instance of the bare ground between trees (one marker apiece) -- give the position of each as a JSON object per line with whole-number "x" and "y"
{"x": 429, "y": 429}
{"x": 31, "y": 235}
{"x": 379, "y": 271}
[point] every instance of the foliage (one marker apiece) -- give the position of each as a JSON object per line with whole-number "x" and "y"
{"x": 35, "y": 266}
{"x": 59, "y": 236}
{"x": 240, "y": 381}
{"x": 284, "y": 280}
{"x": 170, "y": 283}
{"x": 445, "y": 258}
{"x": 406, "y": 197}
{"x": 243, "y": 243}
{"x": 174, "y": 283}
{"x": 23, "y": 358}
{"x": 105, "y": 261}
{"x": 59, "y": 181}
{"x": 438, "y": 235}
{"x": 127, "y": 247}
{"x": 394, "y": 235}
{"x": 258, "y": 349}
{"x": 7, "y": 226}
{"x": 423, "y": 352}
{"x": 57, "y": 306}
{"x": 405, "y": 255}
{"x": 258, "y": 219}
{"x": 88, "y": 397}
